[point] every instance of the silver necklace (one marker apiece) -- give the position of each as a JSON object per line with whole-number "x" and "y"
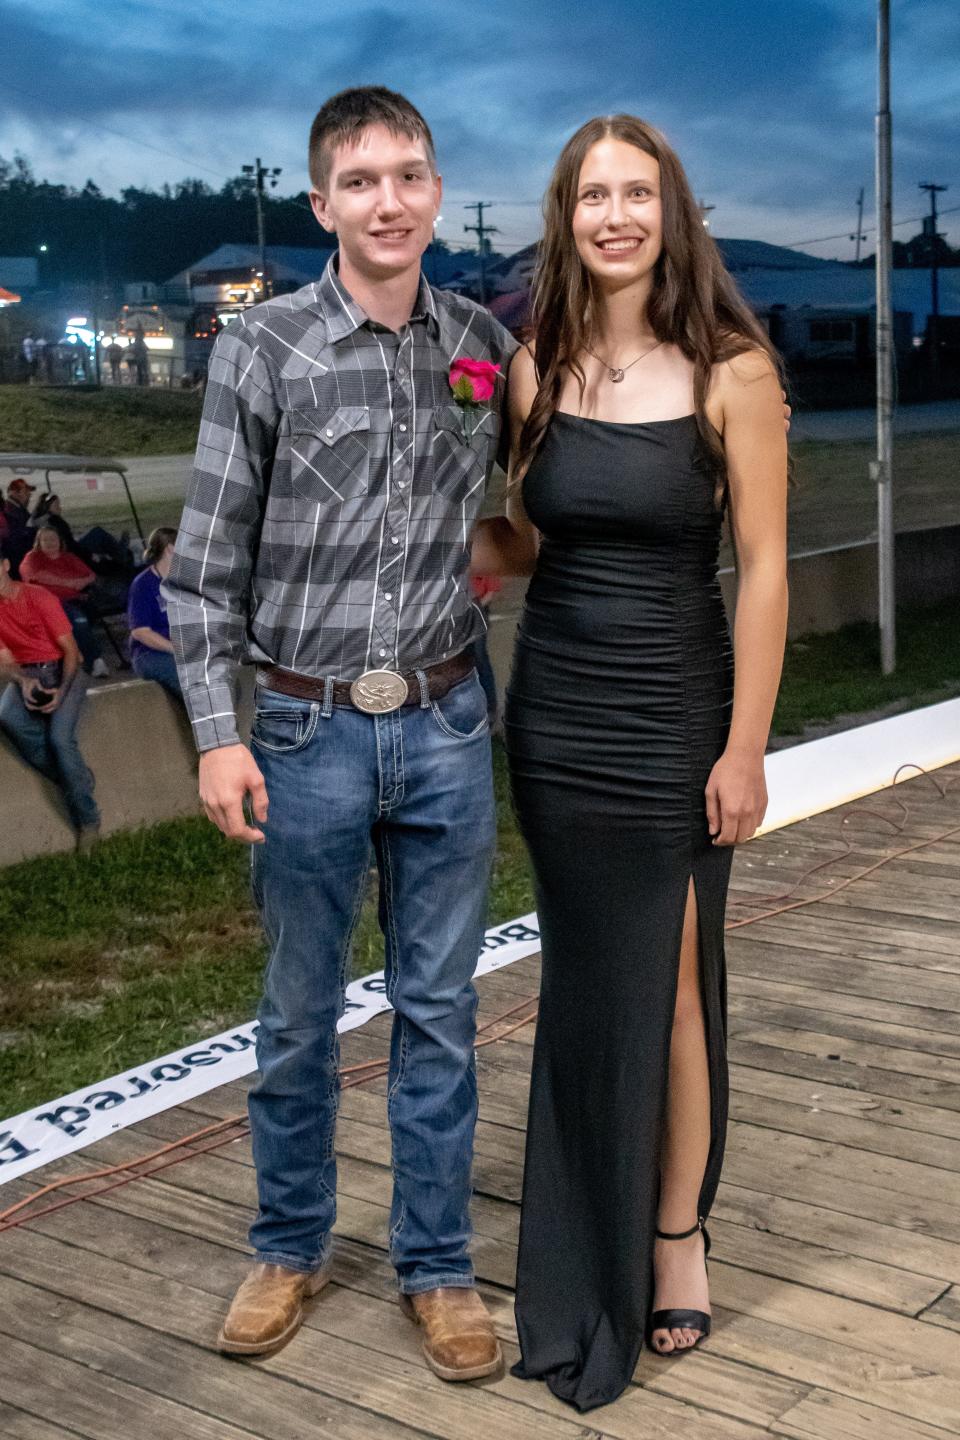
{"x": 617, "y": 372}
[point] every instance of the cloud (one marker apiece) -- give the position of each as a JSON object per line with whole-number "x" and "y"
{"x": 771, "y": 107}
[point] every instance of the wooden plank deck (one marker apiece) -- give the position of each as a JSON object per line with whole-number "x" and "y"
{"x": 835, "y": 1274}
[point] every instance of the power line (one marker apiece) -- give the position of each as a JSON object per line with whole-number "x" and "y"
{"x": 119, "y": 134}
{"x": 870, "y": 230}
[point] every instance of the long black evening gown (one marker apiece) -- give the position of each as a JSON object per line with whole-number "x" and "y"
{"x": 618, "y": 706}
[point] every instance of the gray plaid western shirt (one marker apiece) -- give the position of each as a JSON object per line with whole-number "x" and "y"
{"x": 336, "y": 483}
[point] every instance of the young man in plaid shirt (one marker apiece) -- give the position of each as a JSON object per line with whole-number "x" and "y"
{"x": 326, "y": 538}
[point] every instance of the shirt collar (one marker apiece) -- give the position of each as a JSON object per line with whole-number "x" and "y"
{"x": 343, "y": 315}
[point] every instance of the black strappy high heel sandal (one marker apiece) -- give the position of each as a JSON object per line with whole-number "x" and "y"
{"x": 681, "y": 1319}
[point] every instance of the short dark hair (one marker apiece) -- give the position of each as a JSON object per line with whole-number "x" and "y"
{"x": 345, "y": 116}
{"x": 157, "y": 542}
{"x": 5, "y": 551}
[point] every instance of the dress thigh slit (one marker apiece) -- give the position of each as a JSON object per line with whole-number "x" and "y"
{"x": 612, "y": 903}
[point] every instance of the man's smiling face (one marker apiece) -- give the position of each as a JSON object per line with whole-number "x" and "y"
{"x": 381, "y": 199}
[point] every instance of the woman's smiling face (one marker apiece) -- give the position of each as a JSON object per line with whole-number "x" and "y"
{"x": 618, "y": 219}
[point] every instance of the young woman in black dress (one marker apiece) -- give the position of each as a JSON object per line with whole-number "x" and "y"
{"x": 649, "y": 403}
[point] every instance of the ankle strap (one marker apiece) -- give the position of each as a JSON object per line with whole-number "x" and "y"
{"x": 680, "y": 1234}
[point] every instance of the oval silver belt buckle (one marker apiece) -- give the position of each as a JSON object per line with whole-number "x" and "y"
{"x": 379, "y": 691}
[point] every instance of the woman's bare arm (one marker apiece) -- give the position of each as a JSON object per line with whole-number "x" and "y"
{"x": 749, "y": 394}
{"x": 508, "y": 544}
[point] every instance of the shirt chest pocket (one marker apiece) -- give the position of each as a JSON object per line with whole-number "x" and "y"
{"x": 463, "y": 444}
{"x": 330, "y": 453}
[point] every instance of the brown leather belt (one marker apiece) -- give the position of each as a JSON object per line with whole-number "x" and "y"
{"x": 378, "y": 691}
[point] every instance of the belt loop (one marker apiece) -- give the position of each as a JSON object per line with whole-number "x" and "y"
{"x": 327, "y": 710}
{"x": 424, "y": 684}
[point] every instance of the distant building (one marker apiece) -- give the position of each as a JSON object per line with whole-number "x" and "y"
{"x": 229, "y": 279}
{"x": 815, "y": 310}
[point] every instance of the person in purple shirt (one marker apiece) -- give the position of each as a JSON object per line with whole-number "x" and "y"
{"x": 151, "y": 653}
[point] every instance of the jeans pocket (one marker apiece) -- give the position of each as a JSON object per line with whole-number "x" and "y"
{"x": 462, "y": 713}
{"x": 283, "y": 729}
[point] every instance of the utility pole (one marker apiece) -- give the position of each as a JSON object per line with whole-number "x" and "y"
{"x": 482, "y": 231}
{"x": 258, "y": 174}
{"x": 882, "y": 468}
{"x": 933, "y": 325}
{"x": 859, "y": 235}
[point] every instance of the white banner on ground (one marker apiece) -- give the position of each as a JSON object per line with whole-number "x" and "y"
{"x": 821, "y": 774}
{"x": 50, "y": 1131}
{"x": 801, "y": 781}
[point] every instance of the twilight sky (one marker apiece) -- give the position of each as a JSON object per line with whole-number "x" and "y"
{"x": 771, "y": 106}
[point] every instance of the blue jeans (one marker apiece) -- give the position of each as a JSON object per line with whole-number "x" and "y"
{"x": 487, "y": 678}
{"x": 83, "y": 631}
{"x": 49, "y": 742}
{"x": 417, "y": 786}
{"x": 157, "y": 665}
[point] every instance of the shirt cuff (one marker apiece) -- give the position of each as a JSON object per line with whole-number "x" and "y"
{"x": 213, "y": 717}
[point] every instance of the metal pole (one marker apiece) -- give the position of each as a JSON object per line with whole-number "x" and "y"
{"x": 481, "y": 231}
{"x": 856, "y": 258}
{"x": 933, "y": 324}
{"x": 261, "y": 237}
{"x": 883, "y": 468}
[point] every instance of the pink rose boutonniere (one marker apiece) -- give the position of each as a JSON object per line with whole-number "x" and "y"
{"x": 473, "y": 383}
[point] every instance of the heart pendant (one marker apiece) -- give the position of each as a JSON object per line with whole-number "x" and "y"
{"x": 616, "y": 376}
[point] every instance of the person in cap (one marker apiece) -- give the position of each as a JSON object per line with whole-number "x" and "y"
{"x": 16, "y": 512}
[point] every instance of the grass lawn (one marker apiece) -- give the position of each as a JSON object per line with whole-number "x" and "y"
{"x": 152, "y": 942}
{"x": 839, "y": 674}
{"x": 109, "y": 422}
{"x": 149, "y": 943}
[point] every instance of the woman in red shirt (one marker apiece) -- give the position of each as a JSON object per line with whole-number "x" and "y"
{"x": 51, "y": 565}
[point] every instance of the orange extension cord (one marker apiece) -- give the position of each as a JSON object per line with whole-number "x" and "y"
{"x": 235, "y": 1127}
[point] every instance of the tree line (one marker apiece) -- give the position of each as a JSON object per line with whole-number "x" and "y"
{"x": 93, "y": 238}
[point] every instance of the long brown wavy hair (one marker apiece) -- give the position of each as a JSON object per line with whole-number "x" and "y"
{"x": 694, "y": 304}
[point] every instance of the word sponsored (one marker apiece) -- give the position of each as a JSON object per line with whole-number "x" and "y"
{"x": 38, "y": 1136}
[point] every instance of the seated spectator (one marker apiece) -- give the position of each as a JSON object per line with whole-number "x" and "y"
{"x": 151, "y": 653}
{"x": 16, "y": 512}
{"x": 67, "y": 576}
{"x": 103, "y": 552}
{"x": 41, "y": 704}
{"x": 47, "y": 511}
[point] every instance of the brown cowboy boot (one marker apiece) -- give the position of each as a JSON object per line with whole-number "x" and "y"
{"x": 268, "y": 1308}
{"x": 459, "y": 1341}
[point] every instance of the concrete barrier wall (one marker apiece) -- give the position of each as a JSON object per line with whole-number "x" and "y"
{"x": 830, "y": 588}
{"x": 138, "y": 744}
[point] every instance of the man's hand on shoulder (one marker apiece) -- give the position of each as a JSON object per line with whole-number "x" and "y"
{"x": 227, "y": 776}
